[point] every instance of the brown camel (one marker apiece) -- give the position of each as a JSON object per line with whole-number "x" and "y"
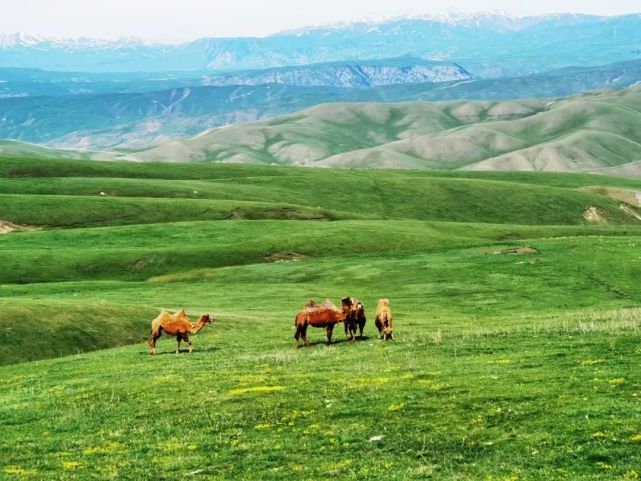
{"x": 355, "y": 312}
{"x": 178, "y": 325}
{"x": 326, "y": 316}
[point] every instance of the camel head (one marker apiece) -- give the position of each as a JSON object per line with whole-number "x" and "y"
{"x": 346, "y": 304}
{"x": 206, "y": 319}
{"x": 383, "y": 302}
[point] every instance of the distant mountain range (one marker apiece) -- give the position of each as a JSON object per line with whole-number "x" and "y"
{"x": 487, "y": 45}
{"x": 593, "y": 132}
{"x": 125, "y": 111}
{"x": 348, "y": 74}
{"x": 17, "y": 83}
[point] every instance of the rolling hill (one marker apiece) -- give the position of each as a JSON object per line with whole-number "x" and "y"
{"x": 120, "y": 111}
{"x": 515, "y": 298}
{"x": 130, "y": 222}
{"x": 587, "y": 133}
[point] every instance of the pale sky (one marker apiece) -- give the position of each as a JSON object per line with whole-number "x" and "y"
{"x": 185, "y": 20}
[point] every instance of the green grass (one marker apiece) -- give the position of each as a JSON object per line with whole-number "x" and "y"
{"x": 506, "y": 366}
{"x": 82, "y": 194}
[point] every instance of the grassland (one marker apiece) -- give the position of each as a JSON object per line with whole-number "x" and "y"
{"x": 510, "y": 363}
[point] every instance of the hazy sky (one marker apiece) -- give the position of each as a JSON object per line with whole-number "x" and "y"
{"x": 184, "y": 20}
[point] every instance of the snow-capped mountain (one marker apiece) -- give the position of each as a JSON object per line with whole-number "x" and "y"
{"x": 487, "y": 44}
{"x": 17, "y": 40}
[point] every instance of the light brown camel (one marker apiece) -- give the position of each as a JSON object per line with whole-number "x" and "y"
{"x": 178, "y": 325}
{"x": 384, "y": 321}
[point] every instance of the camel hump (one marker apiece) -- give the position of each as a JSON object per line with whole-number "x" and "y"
{"x": 327, "y": 304}
{"x": 311, "y": 304}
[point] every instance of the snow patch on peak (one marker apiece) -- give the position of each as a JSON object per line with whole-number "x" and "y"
{"x": 19, "y": 39}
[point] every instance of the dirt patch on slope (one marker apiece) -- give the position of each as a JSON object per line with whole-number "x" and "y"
{"x": 511, "y": 251}
{"x": 284, "y": 256}
{"x": 630, "y": 211}
{"x": 519, "y": 251}
{"x": 7, "y": 226}
{"x": 594, "y": 215}
{"x": 627, "y": 196}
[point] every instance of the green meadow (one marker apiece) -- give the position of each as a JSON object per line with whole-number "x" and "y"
{"x": 516, "y": 300}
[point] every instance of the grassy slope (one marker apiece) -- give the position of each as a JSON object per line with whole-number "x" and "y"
{"x": 520, "y": 348}
{"x": 583, "y": 133}
{"x": 505, "y": 365}
{"x": 55, "y": 193}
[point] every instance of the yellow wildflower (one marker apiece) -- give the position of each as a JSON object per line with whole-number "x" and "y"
{"x": 18, "y": 471}
{"x": 591, "y": 362}
{"x": 263, "y": 426}
{"x": 240, "y": 392}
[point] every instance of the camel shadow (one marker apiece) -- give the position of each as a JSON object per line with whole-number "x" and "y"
{"x": 337, "y": 341}
{"x": 182, "y": 351}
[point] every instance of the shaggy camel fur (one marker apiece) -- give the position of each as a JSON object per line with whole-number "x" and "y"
{"x": 384, "y": 321}
{"x": 326, "y": 315}
{"x": 178, "y": 325}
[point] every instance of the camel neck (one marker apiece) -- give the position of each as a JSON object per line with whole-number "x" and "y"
{"x": 195, "y": 328}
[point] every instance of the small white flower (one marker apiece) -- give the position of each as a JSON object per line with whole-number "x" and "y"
{"x": 378, "y": 437}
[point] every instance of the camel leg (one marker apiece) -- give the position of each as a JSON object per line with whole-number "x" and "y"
{"x": 379, "y": 326}
{"x": 187, "y": 339}
{"x": 329, "y": 330}
{"x": 297, "y": 336}
{"x": 178, "y": 340}
{"x": 305, "y": 340}
{"x": 152, "y": 345}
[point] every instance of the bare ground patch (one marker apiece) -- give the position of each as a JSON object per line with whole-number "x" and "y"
{"x": 7, "y": 227}
{"x": 594, "y": 215}
{"x": 627, "y": 196}
{"x": 630, "y": 211}
{"x": 284, "y": 256}
{"x": 511, "y": 251}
